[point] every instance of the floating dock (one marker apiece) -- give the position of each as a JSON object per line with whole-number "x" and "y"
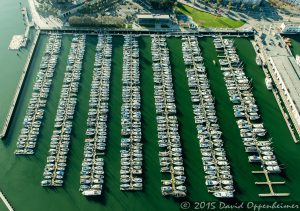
{"x": 17, "y": 42}
{"x": 20, "y": 41}
{"x": 270, "y": 185}
{"x": 2, "y": 197}
{"x": 19, "y": 87}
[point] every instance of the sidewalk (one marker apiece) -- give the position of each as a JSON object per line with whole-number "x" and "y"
{"x": 43, "y": 22}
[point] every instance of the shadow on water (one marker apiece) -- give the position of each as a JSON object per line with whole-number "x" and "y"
{"x": 242, "y": 175}
{"x": 112, "y": 156}
{"x": 98, "y": 199}
{"x": 144, "y": 123}
{"x": 146, "y": 60}
{"x": 179, "y": 112}
{"x": 195, "y": 182}
{"x": 114, "y": 199}
{"x": 47, "y": 114}
{"x": 149, "y": 137}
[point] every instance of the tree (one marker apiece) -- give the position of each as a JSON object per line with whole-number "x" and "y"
{"x": 206, "y": 1}
{"x": 162, "y": 4}
{"x": 229, "y": 5}
{"x": 242, "y": 6}
{"x": 106, "y": 21}
{"x": 253, "y": 6}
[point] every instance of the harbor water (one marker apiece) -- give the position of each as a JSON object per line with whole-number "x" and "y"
{"x": 11, "y": 62}
{"x": 20, "y": 176}
{"x": 295, "y": 41}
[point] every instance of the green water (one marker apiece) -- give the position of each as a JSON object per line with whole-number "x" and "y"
{"x": 241, "y": 169}
{"x": 2, "y": 206}
{"x": 187, "y": 127}
{"x": 285, "y": 149}
{"x": 20, "y": 176}
{"x": 11, "y": 64}
{"x": 295, "y": 48}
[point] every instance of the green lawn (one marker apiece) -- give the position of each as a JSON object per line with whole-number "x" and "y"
{"x": 208, "y": 20}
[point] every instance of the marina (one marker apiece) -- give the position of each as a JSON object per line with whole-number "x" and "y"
{"x": 95, "y": 146}
{"x": 170, "y": 156}
{"x": 19, "y": 87}
{"x": 34, "y": 115}
{"x": 218, "y": 178}
{"x": 92, "y": 173}
{"x": 59, "y": 145}
{"x": 131, "y": 146}
{"x": 252, "y": 131}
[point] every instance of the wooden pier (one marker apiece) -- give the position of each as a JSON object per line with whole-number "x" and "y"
{"x": 19, "y": 87}
{"x": 270, "y": 184}
{"x": 6, "y": 203}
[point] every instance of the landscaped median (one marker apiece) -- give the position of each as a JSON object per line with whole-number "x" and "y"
{"x": 204, "y": 19}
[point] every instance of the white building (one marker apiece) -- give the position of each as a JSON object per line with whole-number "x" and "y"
{"x": 287, "y": 74}
{"x": 290, "y": 28}
{"x": 298, "y": 60}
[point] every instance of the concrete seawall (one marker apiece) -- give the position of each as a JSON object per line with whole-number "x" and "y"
{"x": 19, "y": 87}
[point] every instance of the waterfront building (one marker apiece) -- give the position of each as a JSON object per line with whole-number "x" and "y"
{"x": 290, "y": 28}
{"x": 287, "y": 74}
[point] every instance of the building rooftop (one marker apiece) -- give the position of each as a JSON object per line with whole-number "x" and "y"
{"x": 290, "y": 74}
